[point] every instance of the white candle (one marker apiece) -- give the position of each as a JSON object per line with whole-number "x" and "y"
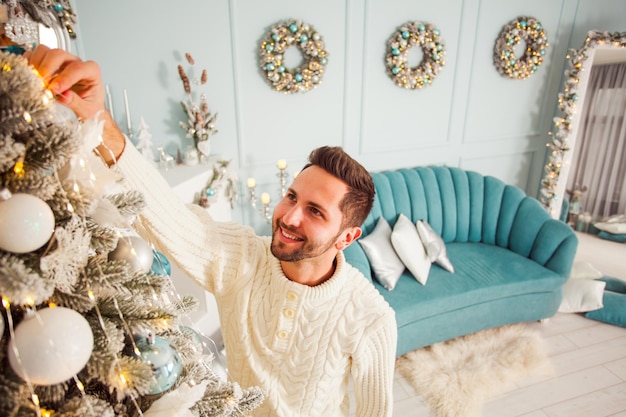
{"x": 251, "y": 182}
{"x": 109, "y": 100}
{"x": 265, "y": 198}
{"x": 128, "y": 122}
{"x": 281, "y": 164}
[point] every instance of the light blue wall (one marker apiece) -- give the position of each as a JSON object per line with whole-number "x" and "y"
{"x": 470, "y": 116}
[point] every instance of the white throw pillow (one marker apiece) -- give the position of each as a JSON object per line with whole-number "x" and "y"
{"x": 582, "y": 295}
{"x": 410, "y": 249}
{"x": 435, "y": 246}
{"x": 385, "y": 262}
{"x": 610, "y": 227}
{"x": 584, "y": 270}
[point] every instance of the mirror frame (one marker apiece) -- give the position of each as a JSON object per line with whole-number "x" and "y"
{"x": 566, "y": 126}
{"x": 62, "y": 36}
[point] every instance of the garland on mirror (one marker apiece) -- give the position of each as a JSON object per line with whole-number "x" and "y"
{"x": 86, "y": 303}
{"x": 559, "y": 145}
{"x": 523, "y": 29}
{"x": 412, "y": 34}
{"x": 222, "y": 181}
{"x": 200, "y": 125}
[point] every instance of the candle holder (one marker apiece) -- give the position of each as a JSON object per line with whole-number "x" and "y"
{"x": 265, "y": 200}
{"x": 129, "y": 124}
{"x": 264, "y": 209}
{"x": 282, "y": 176}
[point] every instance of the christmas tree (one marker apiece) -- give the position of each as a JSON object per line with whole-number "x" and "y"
{"x": 144, "y": 141}
{"x": 91, "y": 324}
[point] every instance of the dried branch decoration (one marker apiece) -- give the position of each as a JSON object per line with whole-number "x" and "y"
{"x": 200, "y": 125}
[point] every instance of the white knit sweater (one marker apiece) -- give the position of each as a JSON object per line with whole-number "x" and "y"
{"x": 300, "y": 344}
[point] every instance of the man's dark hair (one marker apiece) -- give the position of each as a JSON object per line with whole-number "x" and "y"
{"x": 359, "y": 199}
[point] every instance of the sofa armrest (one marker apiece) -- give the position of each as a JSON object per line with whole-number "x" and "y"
{"x": 547, "y": 241}
{"x": 555, "y": 247}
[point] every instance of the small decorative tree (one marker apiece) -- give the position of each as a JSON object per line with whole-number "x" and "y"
{"x": 144, "y": 141}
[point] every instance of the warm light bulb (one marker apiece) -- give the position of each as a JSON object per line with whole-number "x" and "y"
{"x": 281, "y": 164}
{"x": 251, "y": 182}
{"x": 122, "y": 379}
{"x": 80, "y": 386}
{"x": 19, "y": 168}
{"x": 265, "y": 198}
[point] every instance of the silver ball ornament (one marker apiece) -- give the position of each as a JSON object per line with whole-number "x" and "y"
{"x": 135, "y": 251}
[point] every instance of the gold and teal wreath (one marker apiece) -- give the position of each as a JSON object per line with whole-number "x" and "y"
{"x": 272, "y": 53}
{"x": 529, "y": 30}
{"x": 411, "y": 34}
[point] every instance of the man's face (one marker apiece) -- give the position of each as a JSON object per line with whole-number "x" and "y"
{"x": 306, "y": 222}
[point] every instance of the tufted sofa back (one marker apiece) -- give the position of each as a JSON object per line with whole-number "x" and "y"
{"x": 465, "y": 206}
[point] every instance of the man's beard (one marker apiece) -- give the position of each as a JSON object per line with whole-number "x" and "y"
{"x": 307, "y": 249}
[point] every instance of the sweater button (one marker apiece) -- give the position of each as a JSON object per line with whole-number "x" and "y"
{"x": 282, "y": 334}
{"x": 292, "y": 296}
{"x": 288, "y": 312}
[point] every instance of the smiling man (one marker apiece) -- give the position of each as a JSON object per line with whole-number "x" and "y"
{"x": 297, "y": 320}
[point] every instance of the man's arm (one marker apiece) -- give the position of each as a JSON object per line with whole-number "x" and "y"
{"x": 373, "y": 370}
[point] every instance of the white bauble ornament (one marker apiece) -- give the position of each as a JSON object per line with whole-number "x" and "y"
{"x": 135, "y": 251}
{"x": 26, "y": 223}
{"x": 52, "y": 347}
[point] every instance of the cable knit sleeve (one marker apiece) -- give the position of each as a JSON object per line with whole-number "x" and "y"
{"x": 206, "y": 250}
{"x": 373, "y": 369}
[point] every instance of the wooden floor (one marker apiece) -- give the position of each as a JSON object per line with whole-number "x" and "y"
{"x": 589, "y": 359}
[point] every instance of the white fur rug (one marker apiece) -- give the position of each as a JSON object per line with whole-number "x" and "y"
{"x": 456, "y": 377}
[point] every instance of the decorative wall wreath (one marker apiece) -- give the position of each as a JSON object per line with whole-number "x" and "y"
{"x": 272, "y": 52}
{"x": 529, "y": 30}
{"x": 411, "y": 34}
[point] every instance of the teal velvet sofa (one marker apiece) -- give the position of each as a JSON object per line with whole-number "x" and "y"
{"x": 510, "y": 257}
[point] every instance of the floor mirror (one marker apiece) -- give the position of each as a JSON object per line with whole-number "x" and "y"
{"x": 572, "y": 131}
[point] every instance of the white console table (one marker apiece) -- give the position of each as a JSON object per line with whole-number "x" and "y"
{"x": 186, "y": 182}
